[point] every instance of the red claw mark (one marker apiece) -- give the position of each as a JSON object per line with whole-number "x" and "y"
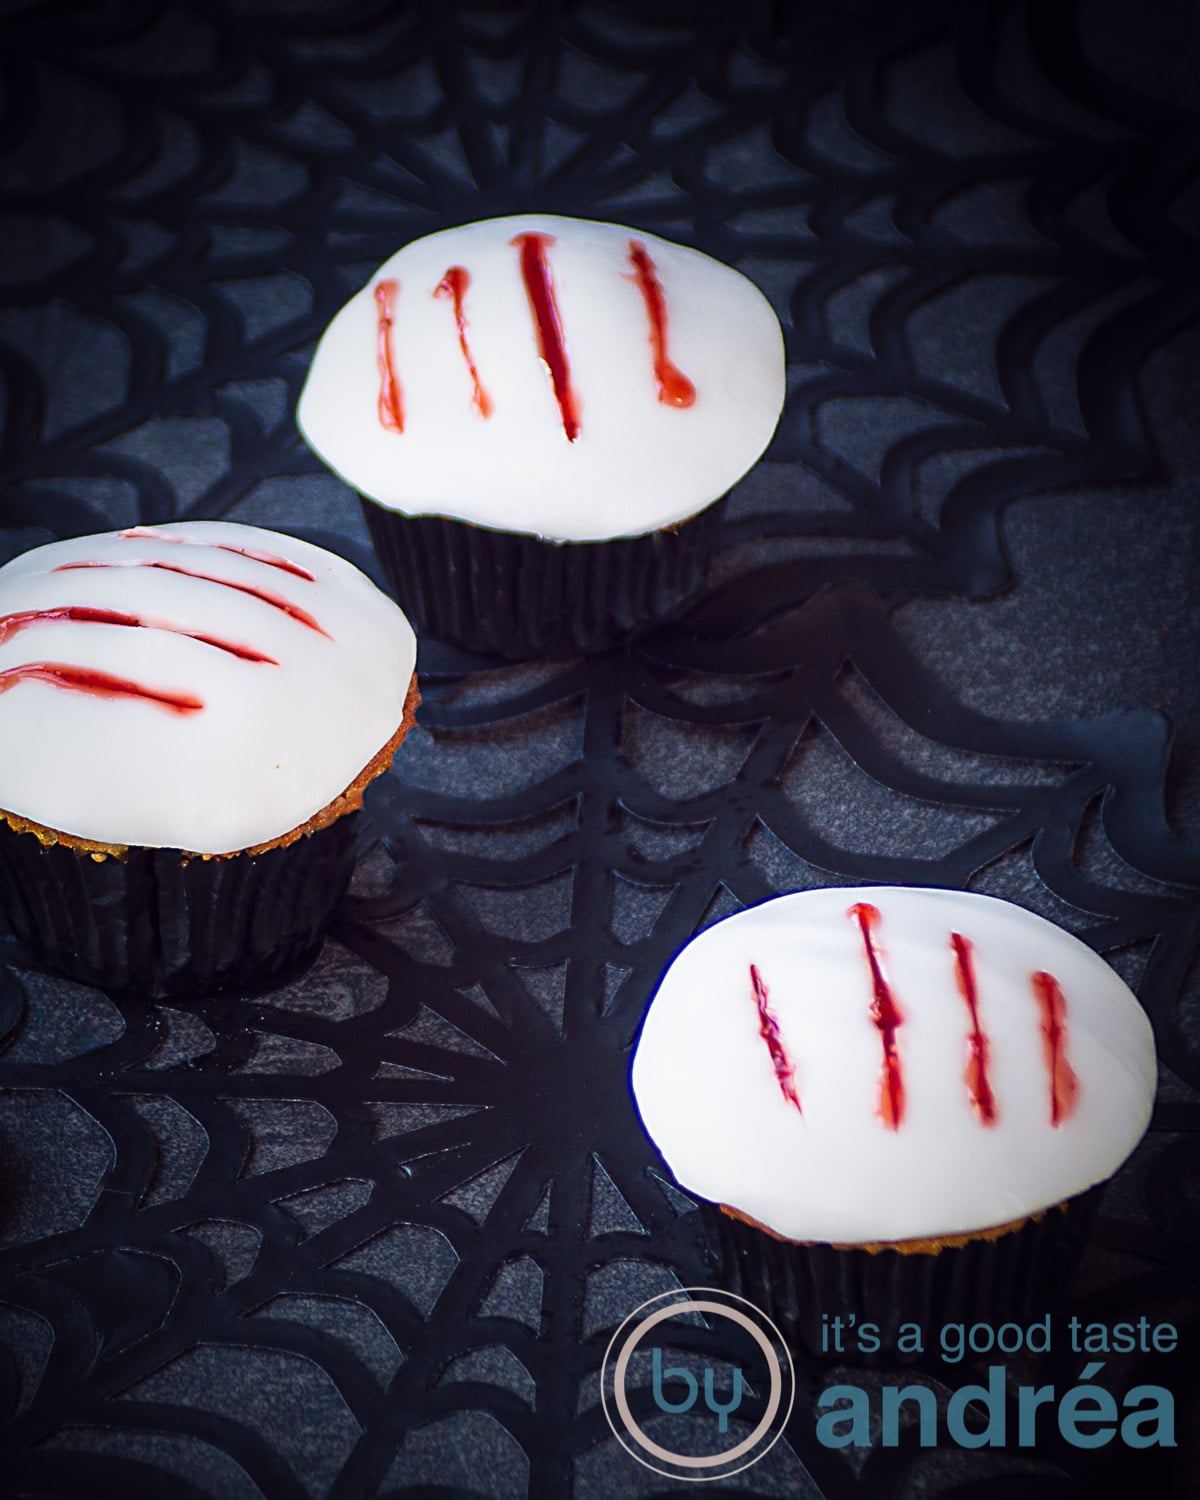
{"x": 149, "y": 534}
{"x": 454, "y": 285}
{"x": 11, "y": 625}
{"x": 768, "y": 1028}
{"x": 391, "y": 401}
{"x": 983, "y": 1100}
{"x": 1064, "y": 1085}
{"x": 95, "y": 684}
{"x": 674, "y": 388}
{"x": 276, "y": 601}
{"x": 539, "y": 287}
{"x": 887, "y": 1018}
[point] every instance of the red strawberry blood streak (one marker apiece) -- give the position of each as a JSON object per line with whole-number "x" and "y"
{"x": 983, "y": 1101}
{"x": 674, "y": 388}
{"x": 1064, "y": 1085}
{"x": 391, "y": 401}
{"x": 539, "y": 287}
{"x": 886, "y": 1016}
{"x": 148, "y": 533}
{"x": 276, "y": 601}
{"x": 768, "y": 1027}
{"x": 95, "y": 684}
{"x": 11, "y": 625}
{"x": 454, "y": 285}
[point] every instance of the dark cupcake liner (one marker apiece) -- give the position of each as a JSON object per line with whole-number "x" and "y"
{"x": 1017, "y": 1277}
{"x": 157, "y": 924}
{"x": 513, "y": 595}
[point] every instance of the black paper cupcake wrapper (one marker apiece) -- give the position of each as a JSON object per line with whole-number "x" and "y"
{"x": 158, "y": 924}
{"x": 517, "y": 596}
{"x": 1016, "y": 1277}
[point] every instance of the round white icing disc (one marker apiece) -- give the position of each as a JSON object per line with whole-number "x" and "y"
{"x": 884, "y": 1064}
{"x": 559, "y": 377}
{"x": 203, "y": 686}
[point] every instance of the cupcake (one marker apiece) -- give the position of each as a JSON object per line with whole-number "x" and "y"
{"x": 897, "y": 1105}
{"x": 538, "y": 413}
{"x": 189, "y": 715}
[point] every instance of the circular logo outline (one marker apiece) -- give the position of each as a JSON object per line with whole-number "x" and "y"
{"x": 646, "y": 1325}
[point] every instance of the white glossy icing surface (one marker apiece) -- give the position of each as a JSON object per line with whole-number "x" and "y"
{"x": 637, "y": 464}
{"x": 274, "y": 742}
{"x": 710, "y": 1097}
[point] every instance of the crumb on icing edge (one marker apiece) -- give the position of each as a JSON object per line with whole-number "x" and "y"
{"x": 926, "y": 1245}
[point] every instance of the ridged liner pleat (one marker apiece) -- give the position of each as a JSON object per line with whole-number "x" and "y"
{"x": 156, "y": 923}
{"x": 517, "y": 596}
{"x": 1017, "y": 1276}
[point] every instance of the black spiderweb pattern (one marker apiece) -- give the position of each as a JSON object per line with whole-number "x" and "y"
{"x": 369, "y": 1235}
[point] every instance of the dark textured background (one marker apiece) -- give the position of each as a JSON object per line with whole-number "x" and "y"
{"x": 369, "y": 1235}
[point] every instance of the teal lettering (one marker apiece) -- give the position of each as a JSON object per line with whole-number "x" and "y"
{"x": 991, "y": 1397}
{"x": 954, "y": 1341}
{"x": 1162, "y": 1413}
{"x": 710, "y": 1399}
{"x": 1028, "y": 1401}
{"x": 908, "y": 1340}
{"x": 672, "y": 1372}
{"x": 850, "y": 1424}
{"x": 1042, "y": 1328}
{"x": 1102, "y": 1409}
{"x": 926, "y": 1405}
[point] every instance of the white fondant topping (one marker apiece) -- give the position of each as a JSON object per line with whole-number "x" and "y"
{"x": 274, "y": 742}
{"x": 637, "y": 464}
{"x": 711, "y": 1099}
